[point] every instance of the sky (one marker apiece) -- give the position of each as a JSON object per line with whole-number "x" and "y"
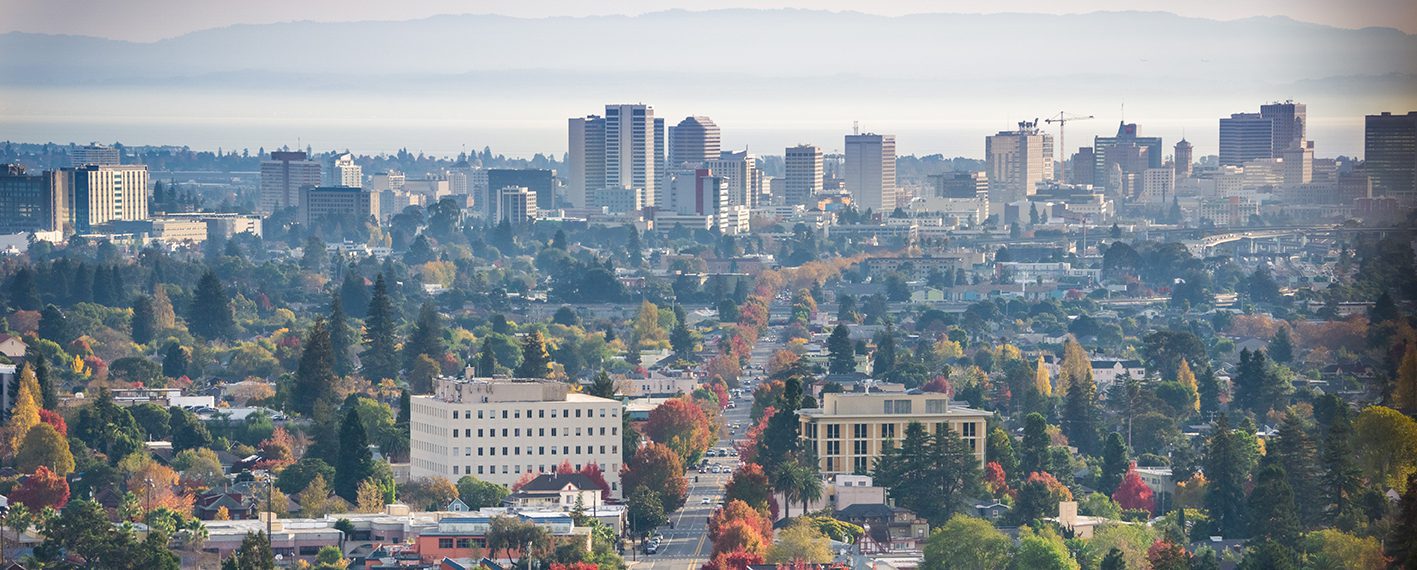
{"x": 151, "y": 20}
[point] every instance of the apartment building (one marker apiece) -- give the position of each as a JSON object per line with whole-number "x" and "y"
{"x": 850, "y": 430}
{"x": 498, "y": 429}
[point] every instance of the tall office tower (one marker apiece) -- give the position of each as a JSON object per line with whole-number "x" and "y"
{"x": 1083, "y": 167}
{"x": 93, "y": 154}
{"x": 282, "y": 177}
{"x": 345, "y": 172}
{"x": 1127, "y": 138}
{"x": 1185, "y": 157}
{"x": 870, "y": 171}
{"x": 1390, "y": 153}
{"x": 1289, "y": 118}
{"x": 541, "y": 184}
{"x": 1016, "y": 162}
{"x": 32, "y": 202}
{"x": 698, "y": 192}
{"x": 659, "y": 165}
{"x": 803, "y": 175}
{"x": 585, "y": 160}
{"x": 102, "y": 194}
{"x": 1245, "y": 137}
{"x": 516, "y": 205}
{"x": 693, "y": 141}
{"x": 740, "y": 170}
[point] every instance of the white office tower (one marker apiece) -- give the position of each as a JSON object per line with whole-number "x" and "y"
{"x": 282, "y": 177}
{"x": 93, "y": 154}
{"x": 618, "y": 151}
{"x": 1158, "y": 186}
{"x": 585, "y": 159}
{"x": 499, "y": 429}
{"x": 1016, "y": 161}
{"x": 803, "y": 175}
{"x": 697, "y": 192}
{"x": 693, "y": 141}
{"x": 390, "y": 180}
{"x": 99, "y": 194}
{"x": 516, "y": 205}
{"x": 345, "y": 172}
{"x": 1298, "y": 164}
{"x": 740, "y": 170}
{"x": 870, "y": 172}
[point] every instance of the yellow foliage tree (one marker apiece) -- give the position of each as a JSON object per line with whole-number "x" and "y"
{"x": 947, "y": 349}
{"x": 25, "y": 413}
{"x": 1187, "y": 378}
{"x": 315, "y": 498}
{"x": 1041, "y": 380}
{"x": 1077, "y": 367}
{"x": 1405, "y": 394}
{"x": 370, "y": 498}
{"x": 223, "y": 514}
{"x": 648, "y": 331}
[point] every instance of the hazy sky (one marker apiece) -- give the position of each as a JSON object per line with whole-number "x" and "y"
{"x": 148, "y": 20}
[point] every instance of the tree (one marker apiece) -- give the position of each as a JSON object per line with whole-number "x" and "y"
{"x": 486, "y": 360}
{"x": 1281, "y": 347}
{"x": 632, "y": 246}
{"x": 841, "y": 351}
{"x": 884, "y": 359}
{"x": 55, "y": 326}
{"x": 380, "y": 359}
{"x": 213, "y": 315}
{"x": 144, "y": 320}
{"x": 49, "y": 395}
{"x": 1385, "y": 445}
{"x": 1080, "y": 405}
{"x": 602, "y": 386}
{"x": 43, "y": 488}
{"x": 1042, "y": 382}
{"x": 1402, "y": 543}
{"x": 511, "y": 534}
{"x": 1133, "y": 493}
{"x": 644, "y": 509}
{"x": 1330, "y": 549}
{"x": 477, "y": 494}
{"x": 682, "y": 425}
{"x": 427, "y": 337}
{"x": 341, "y": 337}
{"x": 1225, "y": 471}
{"x": 1114, "y": 560}
{"x": 1404, "y": 395}
{"x": 24, "y": 413}
{"x": 315, "y": 373}
{"x": 967, "y": 542}
{"x": 1039, "y": 496}
{"x": 1164, "y": 555}
{"x": 1033, "y": 450}
{"x": 1185, "y": 377}
{"x": 1042, "y": 550}
{"x": 422, "y": 375}
{"x": 82, "y": 529}
{"x": 369, "y": 498}
{"x": 188, "y": 431}
{"x": 330, "y": 558}
{"x": 1294, "y": 452}
{"x": 253, "y": 554}
{"x": 1116, "y": 462}
{"x": 659, "y": 469}
{"x": 800, "y": 542}
{"x": 45, "y": 446}
{"x": 750, "y": 485}
{"x": 355, "y": 464}
{"x": 175, "y": 359}
{"x": 315, "y": 500}
{"x": 536, "y": 362}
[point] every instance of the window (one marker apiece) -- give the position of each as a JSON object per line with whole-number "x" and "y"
{"x": 553, "y": 432}
{"x": 504, "y": 451}
{"x": 578, "y": 450}
{"x": 479, "y": 468}
{"x": 833, "y": 431}
{"x": 541, "y": 432}
{"x": 858, "y": 447}
{"x": 504, "y": 432}
{"x": 833, "y": 448}
{"x": 614, "y": 431}
{"x": 479, "y": 414}
{"x": 517, "y": 414}
{"x": 309, "y": 550}
{"x": 858, "y": 430}
{"x": 504, "y": 414}
{"x": 934, "y": 406}
{"x": 541, "y": 413}
{"x": 897, "y": 406}
{"x": 455, "y": 414}
{"x": 445, "y": 543}
{"x": 479, "y": 452}
{"x": 967, "y": 429}
{"x": 541, "y": 450}
{"x": 578, "y": 412}
{"x": 578, "y": 432}
{"x": 464, "y": 543}
{"x": 859, "y": 465}
{"x": 517, "y": 432}
{"x": 455, "y": 433}
{"x": 602, "y": 412}
{"x": 831, "y": 464}
{"x": 479, "y": 432}
{"x": 887, "y": 431}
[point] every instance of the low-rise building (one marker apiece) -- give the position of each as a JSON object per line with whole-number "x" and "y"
{"x": 850, "y": 430}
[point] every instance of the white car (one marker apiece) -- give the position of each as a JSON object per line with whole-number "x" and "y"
{"x": 706, "y": 501}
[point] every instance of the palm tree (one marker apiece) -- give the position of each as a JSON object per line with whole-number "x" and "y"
{"x": 787, "y": 484}
{"x": 809, "y": 486}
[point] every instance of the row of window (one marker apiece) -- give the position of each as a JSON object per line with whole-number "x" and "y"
{"x": 517, "y": 414}
{"x": 858, "y": 447}
{"x": 517, "y": 469}
{"x": 539, "y": 450}
{"x": 462, "y": 542}
{"x": 540, "y": 432}
{"x": 888, "y": 431}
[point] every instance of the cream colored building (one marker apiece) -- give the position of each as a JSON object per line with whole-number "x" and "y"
{"x": 497, "y": 429}
{"x": 850, "y": 430}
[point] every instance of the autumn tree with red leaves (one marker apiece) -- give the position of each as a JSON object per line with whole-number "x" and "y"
{"x": 54, "y": 420}
{"x": 736, "y": 560}
{"x": 749, "y": 484}
{"x": 683, "y": 426}
{"x": 44, "y": 488}
{"x": 657, "y": 468}
{"x": 1133, "y": 493}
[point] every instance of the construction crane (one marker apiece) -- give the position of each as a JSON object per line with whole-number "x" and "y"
{"x": 1063, "y": 119}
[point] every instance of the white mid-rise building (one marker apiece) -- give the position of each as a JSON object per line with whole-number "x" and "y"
{"x": 346, "y": 172}
{"x": 1158, "y": 186}
{"x": 740, "y": 171}
{"x": 1016, "y": 162}
{"x": 99, "y": 194}
{"x": 499, "y": 429}
{"x": 516, "y": 205}
{"x": 623, "y": 149}
{"x": 283, "y": 175}
{"x": 870, "y": 171}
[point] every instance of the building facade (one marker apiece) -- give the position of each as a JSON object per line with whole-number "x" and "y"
{"x": 1390, "y": 152}
{"x": 321, "y": 202}
{"x": 802, "y": 179}
{"x": 1185, "y": 158}
{"x": 1016, "y": 161}
{"x": 344, "y": 172}
{"x": 516, "y": 205}
{"x": 851, "y": 430}
{"x": 499, "y": 429}
{"x": 98, "y": 194}
{"x": 93, "y": 154}
{"x": 1290, "y": 121}
{"x": 282, "y": 177}
{"x": 693, "y": 141}
{"x": 32, "y": 202}
{"x": 541, "y": 183}
{"x": 870, "y": 171}
{"x": 1245, "y": 137}
{"x": 740, "y": 171}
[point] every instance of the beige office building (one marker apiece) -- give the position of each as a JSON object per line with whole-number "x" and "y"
{"x": 1016, "y": 161}
{"x": 850, "y": 430}
{"x": 870, "y": 172}
{"x": 498, "y": 429}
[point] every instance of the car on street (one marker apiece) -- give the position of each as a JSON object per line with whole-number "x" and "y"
{"x": 706, "y": 501}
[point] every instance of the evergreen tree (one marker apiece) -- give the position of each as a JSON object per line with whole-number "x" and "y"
{"x": 602, "y": 386}
{"x": 1402, "y": 543}
{"x": 1340, "y": 480}
{"x": 1250, "y": 380}
{"x": 355, "y": 463}
{"x": 212, "y": 316}
{"x": 144, "y": 320}
{"x": 188, "y": 431}
{"x": 536, "y": 362}
{"x": 24, "y": 291}
{"x": 53, "y": 325}
{"x": 380, "y": 359}
{"x": 1208, "y": 387}
{"x": 353, "y": 294}
{"x": 49, "y": 393}
{"x": 341, "y": 337}
{"x": 175, "y": 359}
{"x": 1114, "y": 560}
{"x": 1187, "y": 378}
{"x": 254, "y": 554}
{"x": 24, "y": 413}
{"x": 1033, "y": 450}
{"x": 885, "y": 357}
{"x": 427, "y": 337}
{"x": 842, "y": 352}
{"x": 1225, "y": 492}
{"x": 315, "y": 374}
{"x": 1281, "y": 347}
{"x": 558, "y": 241}
{"x": 1080, "y": 415}
{"x": 682, "y": 339}
{"x": 633, "y": 251}
{"x": 1115, "y": 462}
{"x": 1273, "y": 515}
{"x": 1294, "y": 451}
{"x": 486, "y": 360}
{"x": 1404, "y": 394}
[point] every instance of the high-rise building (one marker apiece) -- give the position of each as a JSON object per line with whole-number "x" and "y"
{"x": 693, "y": 141}
{"x": 1298, "y": 167}
{"x": 32, "y": 202}
{"x": 621, "y": 150}
{"x": 850, "y": 431}
{"x": 1185, "y": 158}
{"x": 1083, "y": 167}
{"x": 870, "y": 171}
{"x": 516, "y": 205}
{"x": 1245, "y": 137}
{"x": 698, "y": 192}
{"x": 1390, "y": 153}
{"x": 1016, "y": 161}
{"x": 101, "y": 194}
{"x": 803, "y": 175}
{"x": 1290, "y": 119}
{"x": 957, "y": 184}
{"x": 500, "y": 429}
{"x": 93, "y": 154}
{"x": 344, "y": 172}
{"x": 282, "y": 177}
{"x": 541, "y": 183}
{"x": 320, "y": 203}
{"x": 1134, "y": 155}
{"x": 740, "y": 171}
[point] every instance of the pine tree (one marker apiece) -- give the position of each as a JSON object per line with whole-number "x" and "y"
{"x": 1295, "y": 453}
{"x": 1208, "y": 387}
{"x": 53, "y": 325}
{"x": 486, "y": 360}
{"x": 1080, "y": 414}
{"x": 212, "y": 316}
{"x": 681, "y": 338}
{"x": 1340, "y": 480}
{"x": 254, "y": 554}
{"x": 427, "y": 337}
{"x": 1402, "y": 543}
{"x": 315, "y": 374}
{"x": 885, "y": 357}
{"x": 558, "y": 241}
{"x": 633, "y": 251}
{"x": 1115, "y": 462}
{"x": 144, "y": 320}
{"x": 602, "y": 386}
{"x": 1114, "y": 560}
{"x": 355, "y": 463}
{"x": 175, "y": 359}
{"x": 1273, "y": 515}
{"x": 164, "y": 315}
{"x": 841, "y": 351}
{"x": 1225, "y": 493}
{"x": 24, "y": 292}
{"x": 1033, "y": 450}
{"x": 48, "y": 392}
{"x": 380, "y": 358}
{"x": 536, "y": 362}
{"x": 341, "y": 337}
{"x": 1281, "y": 347}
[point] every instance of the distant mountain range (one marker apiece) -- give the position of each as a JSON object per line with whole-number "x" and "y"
{"x": 953, "y": 49}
